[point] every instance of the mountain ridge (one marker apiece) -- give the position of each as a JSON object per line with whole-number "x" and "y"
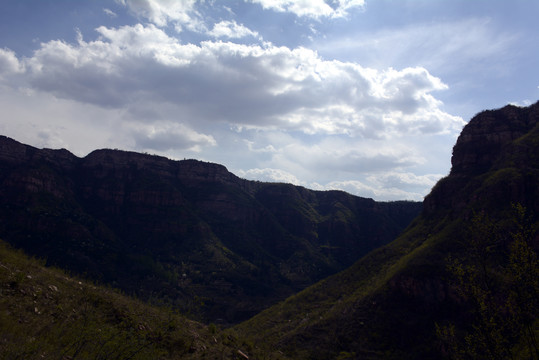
{"x": 404, "y": 300}
{"x": 461, "y": 281}
{"x": 185, "y": 232}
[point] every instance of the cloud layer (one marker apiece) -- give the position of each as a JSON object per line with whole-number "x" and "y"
{"x": 312, "y": 8}
{"x": 246, "y": 86}
{"x": 268, "y": 112}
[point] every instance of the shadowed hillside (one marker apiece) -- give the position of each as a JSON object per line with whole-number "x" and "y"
{"x": 461, "y": 282}
{"x": 46, "y": 314}
{"x": 184, "y": 233}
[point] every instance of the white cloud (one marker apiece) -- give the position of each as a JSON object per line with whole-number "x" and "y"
{"x": 181, "y": 13}
{"x": 522, "y": 103}
{"x": 231, "y": 30}
{"x": 312, "y": 8}
{"x": 9, "y": 64}
{"x": 392, "y": 179}
{"x": 297, "y": 117}
{"x": 386, "y": 187}
{"x": 361, "y": 189}
{"x": 269, "y": 175}
{"x": 361, "y": 113}
{"x": 42, "y": 120}
{"x": 370, "y": 168}
{"x": 332, "y": 156}
{"x": 110, "y": 13}
{"x": 169, "y": 136}
{"x": 254, "y": 149}
{"x": 257, "y": 87}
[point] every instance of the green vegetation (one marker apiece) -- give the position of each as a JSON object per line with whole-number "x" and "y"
{"x": 341, "y": 314}
{"x": 462, "y": 280}
{"x": 391, "y": 302}
{"x": 499, "y": 280}
{"x": 46, "y": 314}
{"x": 186, "y": 234}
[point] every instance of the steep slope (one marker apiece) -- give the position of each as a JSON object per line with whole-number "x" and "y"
{"x": 462, "y": 281}
{"x": 185, "y": 233}
{"x": 46, "y": 314}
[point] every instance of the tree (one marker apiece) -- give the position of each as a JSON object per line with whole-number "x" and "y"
{"x": 498, "y": 278}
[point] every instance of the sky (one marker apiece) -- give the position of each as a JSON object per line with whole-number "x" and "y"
{"x": 365, "y": 96}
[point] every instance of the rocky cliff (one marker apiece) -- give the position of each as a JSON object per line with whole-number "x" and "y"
{"x": 483, "y": 139}
{"x": 461, "y": 282}
{"x": 488, "y": 144}
{"x": 186, "y": 233}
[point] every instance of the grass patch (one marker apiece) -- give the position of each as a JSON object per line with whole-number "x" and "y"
{"x": 44, "y": 313}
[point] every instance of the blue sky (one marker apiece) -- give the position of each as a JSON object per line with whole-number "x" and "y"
{"x": 367, "y": 96}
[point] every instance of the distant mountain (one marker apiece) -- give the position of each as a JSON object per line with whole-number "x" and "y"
{"x": 184, "y": 233}
{"x": 462, "y": 282}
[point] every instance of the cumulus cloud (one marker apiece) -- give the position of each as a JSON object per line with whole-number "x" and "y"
{"x": 9, "y": 64}
{"x": 312, "y": 8}
{"x": 181, "y": 13}
{"x": 373, "y": 168}
{"x": 170, "y": 136}
{"x": 408, "y": 180}
{"x": 254, "y": 149}
{"x": 231, "y": 30}
{"x": 269, "y": 175}
{"x": 309, "y": 121}
{"x": 370, "y": 191}
{"x": 389, "y": 186}
{"x": 253, "y": 86}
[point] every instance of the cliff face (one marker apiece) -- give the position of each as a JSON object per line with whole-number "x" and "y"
{"x": 184, "y": 232}
{"x": 484, "y": 137}
{"x": 390, "y": 303}
{"x": 487, "y": 144}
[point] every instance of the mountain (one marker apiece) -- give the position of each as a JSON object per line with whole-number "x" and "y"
{"x": 186, "y": 233}
{"x": 47, "y": 314}
{"x": 461, "y": 282}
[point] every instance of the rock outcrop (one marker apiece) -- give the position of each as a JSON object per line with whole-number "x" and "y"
{"x": 483, "y": 138}
{"x": 489, "y": 142}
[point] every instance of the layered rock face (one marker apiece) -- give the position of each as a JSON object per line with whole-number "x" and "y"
{"x": 484, "y": 137}
{"x": 187, "y": 233}
{"x": 492, "y": 140}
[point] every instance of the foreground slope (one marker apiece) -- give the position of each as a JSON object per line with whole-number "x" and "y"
{"x": 185, "y": 233}
{"x": 46, "y": 314}
{"x": 461, "y": 282}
